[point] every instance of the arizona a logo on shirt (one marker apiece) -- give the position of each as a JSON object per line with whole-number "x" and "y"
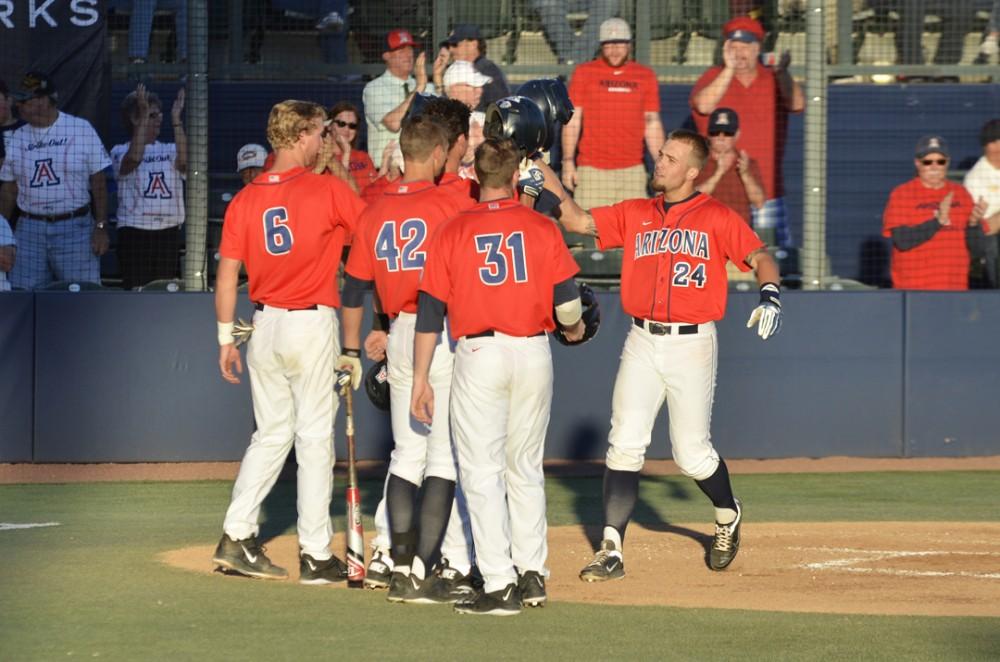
{"x": 157, "y": 187}
{"x": 44, "y": 174}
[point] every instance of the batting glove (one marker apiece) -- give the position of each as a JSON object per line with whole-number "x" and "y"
{"x": 350, "y": 362}
{"x": 531, "y": 180}
{"x": 767, "y": 315}
{"x": 242, "y": 331}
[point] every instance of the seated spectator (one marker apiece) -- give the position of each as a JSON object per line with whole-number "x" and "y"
{"x": 54, "y": 167}
{"x": 8, "y": 253}
{"x": 568, "y": 48}
{"x": 339, "y": 143}
{"x": 990, "y": 46}
{"x": 983, "y": 184}
{"x": 465, "y": 44}
{"x": 730, "y": 175}
{"x": 331, "y": 22}
{"x": 8, "y": 122}
{"x": 150, "y": 178}
{"x": 250, "y": 160}
{"x": 140, "y": 28}
{"x": 927, "y": 219}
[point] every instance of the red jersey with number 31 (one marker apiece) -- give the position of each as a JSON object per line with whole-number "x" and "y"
{"x": 674, "y": 261}
{"x": 286, "y": 228}
{"x": 495, "y": 266}
{"x": 392, "y": 237}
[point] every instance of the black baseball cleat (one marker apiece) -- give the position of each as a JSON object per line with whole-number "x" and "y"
{"x": 726, "y": 543}
{"x": 329, "y": 571}
{"x": 379, "y": 570}
{"x": 532, "y": 588}
{"x": 505, "y": 602}
{"x": 607, "y": 564}
{"x": 404, "y": 588}
{"x": 451, "y": 584}
{"x": 246, "y": 557}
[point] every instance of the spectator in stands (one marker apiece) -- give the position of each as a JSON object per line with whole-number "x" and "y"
{"x": 8, "y": 121}
{"x": 390, "y": 171}
{"x": 140, "y": 28}
{"x": 339, "y": 144}
{"x": 150, "y": 178}
{"x": 763, "y": 97}
{"x": 463, "y": 83}
{"x": 250, "y": 160}
{"x": 956, "y": 21}
{"x": 730, "y": 175}
{"x": 55, "y": 163}
{"x": 465, "y": 44}
{"x": 990, "y": 46}
{"x": 617, "y": 110}
{"x": 387, "y": 97}
{"x": 8, "y": 253}
{"x": 568, "y": 48}
{"x": 331, "y": 22}
{"x": 927, "y": 219}
{"x": 983, "y": 184}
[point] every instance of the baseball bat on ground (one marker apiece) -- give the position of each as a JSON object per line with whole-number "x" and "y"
{"x": 355, "y": 530}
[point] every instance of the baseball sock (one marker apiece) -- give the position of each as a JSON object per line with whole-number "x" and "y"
{"x": 621, "y": 489}
{"x": 720, "y": 491}
{"x": 401, "y": 497}
{"x": 435, "y": 509}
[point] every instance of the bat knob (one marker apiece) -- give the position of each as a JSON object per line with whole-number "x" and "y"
{"x": 343, "y": 378}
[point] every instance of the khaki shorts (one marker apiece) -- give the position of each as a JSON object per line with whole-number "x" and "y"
{"x": 598, "y": 187}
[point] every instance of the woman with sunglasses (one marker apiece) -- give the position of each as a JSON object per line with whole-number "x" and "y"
{"x": 339, "y": 144}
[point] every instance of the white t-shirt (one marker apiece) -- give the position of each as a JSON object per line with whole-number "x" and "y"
{"x": 6, "y": 239}
{"x": 52, "y": 165}
{"x": 151, "y": 197}
{"x": 983, "y": 181}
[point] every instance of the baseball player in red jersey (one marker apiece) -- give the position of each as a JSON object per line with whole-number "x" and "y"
{"x": 286, "y": 227}
{"x": 674, "y": 286}
{"x": 393, "y": 235}
{"x": 497, "y": 269}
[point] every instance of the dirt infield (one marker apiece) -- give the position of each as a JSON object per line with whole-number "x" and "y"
{"x": 167, "y": 471}
{"x": 916, "y": 568}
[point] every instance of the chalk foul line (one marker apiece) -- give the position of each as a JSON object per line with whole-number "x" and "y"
{"x": 10, "y": 526}
{"x": 869, "y": 555}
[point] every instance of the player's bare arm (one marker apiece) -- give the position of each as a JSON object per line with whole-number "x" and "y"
{"x": 99, "y": 241}
{"x": 378, "y": 338}
{"x": 227, "y": 278}
{"x": 572, "y": 216}
{"x": 8, "y": 198}
{"x": 422, "y": 396}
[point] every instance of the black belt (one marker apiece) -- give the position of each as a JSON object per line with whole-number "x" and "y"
{"x": 490, "y": 333}
{"x": 658, "y": 329}
{"x": 260, "y": 306}
{"x": 51, "y": 218}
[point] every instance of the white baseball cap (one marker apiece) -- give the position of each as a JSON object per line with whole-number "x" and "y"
{"x": 615, "y": 29}
{"x": 251, "y": 155}
{"x": 462, "y": 71}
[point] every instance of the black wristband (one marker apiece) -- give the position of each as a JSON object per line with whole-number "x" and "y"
{"x": 770, "y": 293}
{"x": 380, "y": 322}
{"x": 353, "y": 353}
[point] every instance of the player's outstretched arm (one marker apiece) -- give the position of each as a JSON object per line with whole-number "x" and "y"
{"x": 227, "y": 278}
{"x": 422, "y": 396}
{"x": 572, "y": 216}
{"x": 767, "y": 314}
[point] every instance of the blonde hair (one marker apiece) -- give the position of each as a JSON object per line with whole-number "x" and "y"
{"x": 288, "y": 119}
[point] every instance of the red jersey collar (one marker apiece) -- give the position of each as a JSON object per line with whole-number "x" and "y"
{"x": 278, "y": 177}
{"x": 496, "y": 205}
{"x": 408, "y": 188}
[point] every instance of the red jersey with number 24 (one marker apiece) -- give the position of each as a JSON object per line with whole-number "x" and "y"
{"x": 495, "y": 266}
{"x": 674, "y": 261}
{"x": 288, "y": 229}
{"x": 390, "y": 246}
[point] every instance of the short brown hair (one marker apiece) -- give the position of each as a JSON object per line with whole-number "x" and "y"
{"x": 340, "y": 107}
{"x": 699, "y": 146}
{"x": 130, "y": 104}
{"x": 452, "y": 114}
{"x": 288, "y": 119}
{"x": 419, "y": 136}
{"x": 496, "y": 162}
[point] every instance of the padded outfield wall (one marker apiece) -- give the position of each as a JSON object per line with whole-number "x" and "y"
{"x": 133, "y": 377}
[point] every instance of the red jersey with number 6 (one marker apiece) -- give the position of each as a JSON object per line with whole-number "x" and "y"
{"x": 286, "y": 228}
{"x": 675, "y": 255}
{"x": 392, "y": 237}
{"x": 495, "y": 266}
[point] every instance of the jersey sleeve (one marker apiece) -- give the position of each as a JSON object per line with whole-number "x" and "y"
{"x": 359, "y": 261}
{"x": 436, "y": 277}
{"x": 736, "y": 238}
{"x": 651, "y": 93}
{"x": 610, "y": 222}
{"x": 233, "y": 242}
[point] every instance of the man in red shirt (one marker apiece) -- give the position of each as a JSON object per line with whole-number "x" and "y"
{"x": 927, "y": 219}
{"x": 617, "y": 110}
{"x": 287, "y": 227}
{"x": 763, "y": 97}
{"x": 730, "y": 176}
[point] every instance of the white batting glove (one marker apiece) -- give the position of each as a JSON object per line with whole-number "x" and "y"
{"x": 767, "y": 315}
{"x": 242, "y": 331}
{"x": 349, "y": 361}
{"x": 531, "y": 181}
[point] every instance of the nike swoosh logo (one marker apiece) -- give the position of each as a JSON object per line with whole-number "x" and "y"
{"x": 413, "y": 581}
{"x": 476, "y": 349}
{"x": 614, "y": 564}
{"x": 647, "y": 222}
{"x": 506, "y": 596}
{"x": 250, "y": 557}
{"x": 617, "y": 73}
{"x": 310, "y": 564}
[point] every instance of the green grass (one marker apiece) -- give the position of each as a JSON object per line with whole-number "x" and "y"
{"x": 91, "y": 587}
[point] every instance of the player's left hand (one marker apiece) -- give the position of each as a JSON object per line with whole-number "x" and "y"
{"x": 422, "y": 402}
{"x": 350, "y": 361}
{"x": 375, "y": 344}
{"x": 767, "y": 315}
{"x": 99, "y": 241}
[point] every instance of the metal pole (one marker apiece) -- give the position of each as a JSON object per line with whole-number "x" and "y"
{"x": 813, "y": 256}
{"x": 642, "y": 35}
{"x": 196, "y": 224}
{"x": 442, "y": 14}
{"x": 845, "y": 34}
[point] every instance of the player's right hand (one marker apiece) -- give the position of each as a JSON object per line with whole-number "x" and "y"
{"x": 422, "y": 402}
{"x": 229, "y": 357}
{"x": 569, "y": 176}
{"x": 350, "y": 361}
{"x": 375, "y": 344}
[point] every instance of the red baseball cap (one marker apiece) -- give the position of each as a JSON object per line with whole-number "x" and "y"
{"x": 399, "y": 38}
{"x": 743, "y": 28}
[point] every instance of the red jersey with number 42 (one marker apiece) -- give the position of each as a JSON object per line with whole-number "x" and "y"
{"x": 392, "y": 237}
{"x": 288, "y": 229}
{"x": 674, "y": 261}
{"x": 495, "y": 266}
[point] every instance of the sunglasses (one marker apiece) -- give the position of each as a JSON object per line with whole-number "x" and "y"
{"x": 349, "y": 125}
{"x": 928, "y": 162}
{"x": 715, "y": 134}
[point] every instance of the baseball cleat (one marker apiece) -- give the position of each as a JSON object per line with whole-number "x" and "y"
{"x": 404, "y": 587}
{"x": 246, "y": 557}
{"x": 607, "y": 564}
{"x": 532, "y": 588}
{"x": 505, "y": 602}
{"x": 329, "y": 571}
{"x": 451, "y": 584}
{"x": 726, "y": 543}
{"x": 379, "y": 570}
